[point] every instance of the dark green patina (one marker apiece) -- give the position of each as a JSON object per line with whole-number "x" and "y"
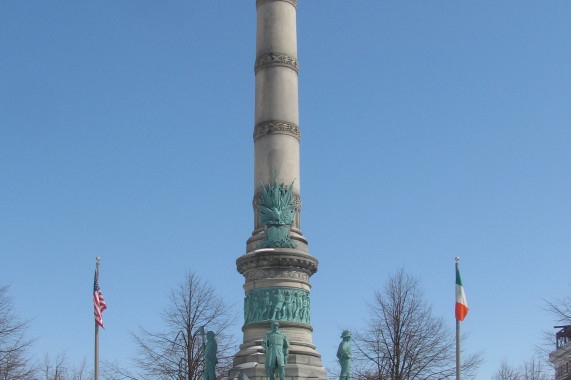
{"x": 277, "y": 303}
{"x": 277, "y": 211}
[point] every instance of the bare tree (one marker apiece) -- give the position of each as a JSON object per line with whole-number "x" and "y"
{"x": 560, "y": 310}
{"x": 58, "y": 368}
{"x": 176, "y": 352}
{"x": 531, "y": 369}
{"x": 403, "y": 340}
{"x": 80, "y": 372}
{"x": 506, "y": 372}
{"x": 15, "y": 362}
{"x": 114, "y": 371}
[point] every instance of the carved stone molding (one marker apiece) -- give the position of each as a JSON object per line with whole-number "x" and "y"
{"x": 276, "y": 59}
{"x": 276, "y": 258}
{"x": 283, "y": 326}
{"x": 258, "y": 274}
{"x": 260, "y": 2}
{"x": 271, "y": 127}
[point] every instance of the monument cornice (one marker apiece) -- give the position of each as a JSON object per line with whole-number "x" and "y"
{"x": 276, "y": 59}
{"x": 260, "y": 2}
{"x": 277, "y": 258}
{"x": 270, "y": 127}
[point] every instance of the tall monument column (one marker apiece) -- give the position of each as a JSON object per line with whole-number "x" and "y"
{"x": 277, "y": 265}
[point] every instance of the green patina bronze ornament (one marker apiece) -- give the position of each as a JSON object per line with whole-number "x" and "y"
{"x": 277, "y": 303}
{"x": 277, "y": 211}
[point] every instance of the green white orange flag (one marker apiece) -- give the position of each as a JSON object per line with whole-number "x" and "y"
{"x": 461, "y": 304}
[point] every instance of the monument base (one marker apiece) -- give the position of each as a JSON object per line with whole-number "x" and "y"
{"x": 303, "y": 363}
{"x": 275, "y": 272}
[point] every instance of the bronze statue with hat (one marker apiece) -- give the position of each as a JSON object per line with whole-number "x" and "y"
{"x": 344, "y": 355}
{"x": 277, "y": 352}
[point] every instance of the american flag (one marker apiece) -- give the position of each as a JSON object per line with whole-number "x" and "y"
{"x": 98, "y": 301}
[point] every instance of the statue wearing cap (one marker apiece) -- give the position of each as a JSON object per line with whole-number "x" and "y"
{"x": 344, "y": 355}
{"x": 277, "y": 352}
{"x": 210, "y": 360}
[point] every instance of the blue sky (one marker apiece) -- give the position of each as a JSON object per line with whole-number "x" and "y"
{"x": 429, "y": 130}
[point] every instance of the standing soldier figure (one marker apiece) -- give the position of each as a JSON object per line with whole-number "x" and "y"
{"x": 277, "y": 351}
{"x": 210, "y": 358}
{"x": 279, "y": 305}
{"x": 288, "y": 307}
{"x": 265, "y": 308}
{"x": 344, "y": 355}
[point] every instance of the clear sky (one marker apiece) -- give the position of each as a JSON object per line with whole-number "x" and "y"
{"x": 430, "y": 129}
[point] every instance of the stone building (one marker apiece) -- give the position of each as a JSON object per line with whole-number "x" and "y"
{"x": 561, "y": 357}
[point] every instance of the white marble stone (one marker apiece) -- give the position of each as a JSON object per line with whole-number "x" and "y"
{"x": 276, "y": 29}
{"x": 276, "y": 148}
{"x": 277, "y": 152}
{"x": 277, "y": 95}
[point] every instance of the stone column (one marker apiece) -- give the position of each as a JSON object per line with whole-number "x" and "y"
{"x": 277, "y": 265}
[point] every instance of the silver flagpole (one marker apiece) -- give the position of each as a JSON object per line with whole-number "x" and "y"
{"x": 96, "y": 366}
{"x": 458, "y": 368}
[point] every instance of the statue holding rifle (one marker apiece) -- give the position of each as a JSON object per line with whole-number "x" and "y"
{"x": 209, "y": 347}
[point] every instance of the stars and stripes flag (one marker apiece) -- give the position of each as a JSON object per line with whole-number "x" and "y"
{"x": 461, "y": 304}
{"x": 98, "y": 301}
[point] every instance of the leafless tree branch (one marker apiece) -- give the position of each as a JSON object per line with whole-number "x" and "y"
{"x": 531, "y": 369}
{"x": 15, "y": 363}
{"x": 175, "y": 353}
{"x": 403, "y": 340}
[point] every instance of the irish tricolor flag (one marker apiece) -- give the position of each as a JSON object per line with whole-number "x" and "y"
{"x": 461, "y": 304}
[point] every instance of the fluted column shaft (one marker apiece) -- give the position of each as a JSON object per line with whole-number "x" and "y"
{"x": 276, "y": 133}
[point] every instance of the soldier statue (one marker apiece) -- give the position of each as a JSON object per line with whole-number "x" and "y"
{"x": 344, "y": 355}
{"x": 210, "y": 359}
{"x": 277, "y": 351}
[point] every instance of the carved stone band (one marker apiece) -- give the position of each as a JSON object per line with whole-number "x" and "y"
{"x": 277, "y": 258}
{"x": 277, "y": 273}
{"x": 276, "y": 59}
{"x": 276, "y": 126}
{"x": 260, "y": 2}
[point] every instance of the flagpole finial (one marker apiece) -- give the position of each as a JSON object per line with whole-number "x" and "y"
{"x": 457, "y": 258}
{"x": 98, "y": 258}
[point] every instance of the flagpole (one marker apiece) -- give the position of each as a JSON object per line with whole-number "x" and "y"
{"x": 96, "y": 366}
{"x": 458, "y": 372}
